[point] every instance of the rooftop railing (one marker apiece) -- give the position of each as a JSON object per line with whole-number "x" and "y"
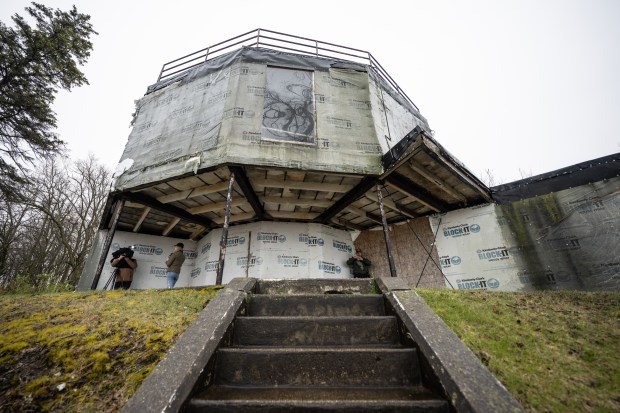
{"x": 281, "y": 42}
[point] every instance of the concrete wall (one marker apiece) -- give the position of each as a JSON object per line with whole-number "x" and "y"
{"x": 564, "y": 240}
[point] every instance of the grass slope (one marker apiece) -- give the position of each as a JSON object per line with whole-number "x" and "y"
{"x": 89, "y": 352}
{"x": 554, "y": 351}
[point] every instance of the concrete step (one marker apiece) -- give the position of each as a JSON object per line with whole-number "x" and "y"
{"x": 311, "y": 366}
{"x": 316, "y": 331}
{"x": 316, "y": 305}
{"x": 317, "y": 399}
{"x": 317, "y": 286}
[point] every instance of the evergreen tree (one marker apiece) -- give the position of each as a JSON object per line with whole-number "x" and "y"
{"x": 35, "y": 62}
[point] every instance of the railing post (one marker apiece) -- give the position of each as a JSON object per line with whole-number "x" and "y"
{"x": 258, "y": 38}
{"x": 386, "y": 232}
{"x": 207, "y": 55}
{"x": 224, "y": 239}
{"x": 316, "y": 47}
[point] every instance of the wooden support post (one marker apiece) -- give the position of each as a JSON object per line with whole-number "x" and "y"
{"x": 108, "y": 241}
{"x": 224, "y": 240}
{"x": 249, "y": 255}
{"x": 386, "y": 232}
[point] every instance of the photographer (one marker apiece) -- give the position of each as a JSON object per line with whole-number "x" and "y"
{"x": 124, "y": 266}
{"x": 359, "y": 264}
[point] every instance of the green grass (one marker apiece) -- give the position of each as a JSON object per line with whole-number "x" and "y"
{"x": 554, "y": 351}
{"x": 89, "y": 352}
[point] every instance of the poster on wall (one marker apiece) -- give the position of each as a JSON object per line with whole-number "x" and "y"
{"x": 288, "y": 112}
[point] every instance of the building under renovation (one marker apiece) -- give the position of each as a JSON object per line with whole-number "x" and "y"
{"x": 270, "y": 155}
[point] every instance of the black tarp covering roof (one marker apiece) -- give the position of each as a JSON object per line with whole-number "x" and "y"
{"x": 582, "y": 173}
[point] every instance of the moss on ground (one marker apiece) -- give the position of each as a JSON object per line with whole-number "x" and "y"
{"x": 87, "y": 352}
{"x": 554, "y": 351}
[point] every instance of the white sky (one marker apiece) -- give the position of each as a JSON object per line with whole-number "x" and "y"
{"x": 531, "y": 85}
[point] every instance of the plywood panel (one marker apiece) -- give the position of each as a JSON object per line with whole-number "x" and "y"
{"x": 410, "y": 253}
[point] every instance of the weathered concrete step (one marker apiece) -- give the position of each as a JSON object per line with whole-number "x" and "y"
{"x": 317, "y": 286}
{"x": 366, "y": 393}
{"x": 279, "y": 406}
{"x": 315, "y": 331}
{"x": 323, "y": 366}
{"x": 316, "y": 305}
{"x": 380, "y": 399}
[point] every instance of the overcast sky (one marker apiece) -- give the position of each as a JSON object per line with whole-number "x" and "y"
{"x": 506, "y": 85}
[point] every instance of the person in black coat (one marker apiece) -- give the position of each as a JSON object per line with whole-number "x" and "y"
{"x": 359, "y": 264}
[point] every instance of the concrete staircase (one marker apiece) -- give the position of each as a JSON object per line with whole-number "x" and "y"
{"x": 370, "y": 345}
{"x": 313, "y": 349}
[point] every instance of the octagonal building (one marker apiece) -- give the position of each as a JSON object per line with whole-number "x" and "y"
{"x": 309, "y": 131}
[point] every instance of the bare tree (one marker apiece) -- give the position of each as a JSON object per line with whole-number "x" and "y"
{"x": 58, "y": 225}
{"x": 13, "y": 216}
{"x": 489, "y": 178}
{"x": 525, "y": 173}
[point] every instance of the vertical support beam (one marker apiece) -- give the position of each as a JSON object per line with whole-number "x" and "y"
{"x": 224, "y": 240}
{"x": 248, "y": 256}
{"x": 386, "y": 232}
{"x": 108, "y": 241}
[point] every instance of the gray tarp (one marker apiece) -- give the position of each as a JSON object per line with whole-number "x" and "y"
{"x": 216, "y": 113}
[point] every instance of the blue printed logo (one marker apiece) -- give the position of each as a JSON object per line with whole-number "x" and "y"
{"x": 195, "y": 272}
{"x": 492, "y": 283}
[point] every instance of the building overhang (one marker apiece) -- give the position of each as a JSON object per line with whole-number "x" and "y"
{"x": 420, "y": 179}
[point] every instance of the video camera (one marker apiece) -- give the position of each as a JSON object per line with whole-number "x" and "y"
{"x": 126, "y": 251}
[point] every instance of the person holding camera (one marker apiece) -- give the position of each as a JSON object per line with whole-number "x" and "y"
{"x": 124, "y": 266}
{"x": 359, "y": 264}
{"x": 174, "y": 262}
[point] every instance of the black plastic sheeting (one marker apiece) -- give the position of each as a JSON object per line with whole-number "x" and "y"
{"x": 582, "y": 173}
{"x": 258, "y": 55}
{"x": 283, "y": 59}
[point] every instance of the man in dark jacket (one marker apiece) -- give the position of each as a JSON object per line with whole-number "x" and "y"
{"x": 359, "y": 264}
{"x": 174, "y": 262}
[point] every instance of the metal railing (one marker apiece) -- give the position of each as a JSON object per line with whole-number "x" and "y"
{"x": 280, "y": 42}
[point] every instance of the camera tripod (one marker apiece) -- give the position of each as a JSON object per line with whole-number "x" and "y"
{"x": 112, "y": 280}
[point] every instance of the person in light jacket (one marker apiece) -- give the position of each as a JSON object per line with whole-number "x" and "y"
{"x": 174, "y": 262}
